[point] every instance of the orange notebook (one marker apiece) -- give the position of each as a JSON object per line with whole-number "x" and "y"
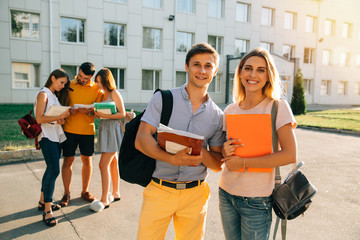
{"x": 254, "y": 131}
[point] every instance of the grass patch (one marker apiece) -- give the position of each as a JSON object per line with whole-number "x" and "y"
{"x": 343, "y": 119}
{"x": 11, "y": 137}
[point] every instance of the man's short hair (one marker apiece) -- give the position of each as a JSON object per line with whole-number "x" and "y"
{"x": 88, "y": 68}
{"x": 202, "y": 48}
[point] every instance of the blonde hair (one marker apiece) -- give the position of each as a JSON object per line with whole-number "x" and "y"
{"x": 272, "y": 88}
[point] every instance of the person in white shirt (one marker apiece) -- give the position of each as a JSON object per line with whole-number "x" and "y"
{"x": 50, "y": 139}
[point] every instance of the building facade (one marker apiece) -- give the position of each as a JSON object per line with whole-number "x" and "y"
{"x": 144, "y": 43}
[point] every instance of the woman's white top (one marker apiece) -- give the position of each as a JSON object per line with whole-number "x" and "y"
{"x": 52, "y": 131}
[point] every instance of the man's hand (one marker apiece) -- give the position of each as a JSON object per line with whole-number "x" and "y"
{"x": 182, "y": 158}
{"x": 233, "y": 163}
{"x": 87, "y": 111}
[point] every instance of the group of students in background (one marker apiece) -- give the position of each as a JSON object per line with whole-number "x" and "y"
{"x": 178, "y": 189}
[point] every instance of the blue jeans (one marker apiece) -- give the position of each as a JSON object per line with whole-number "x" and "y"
{"x": 246, "y": 218}
{"x": 51, "y": 151}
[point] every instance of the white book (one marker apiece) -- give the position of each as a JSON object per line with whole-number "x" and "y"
{"x": 56, "y": 110}
{"x": 83, "y": 106}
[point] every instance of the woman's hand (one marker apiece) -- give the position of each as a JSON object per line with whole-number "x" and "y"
{"x": 229, "y": 147}
{"x": 100, "y": 115}
{"x": 61, "y": 121}
{"x": 233, "y": 163}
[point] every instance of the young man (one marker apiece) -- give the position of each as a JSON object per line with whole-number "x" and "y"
{"x": 80, "y": 130}
{"x": 167, "y": 196}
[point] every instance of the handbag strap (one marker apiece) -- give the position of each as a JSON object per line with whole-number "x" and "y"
{"x": 274, "y": 111}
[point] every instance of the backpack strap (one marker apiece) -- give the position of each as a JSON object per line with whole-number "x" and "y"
{"x": 167, "y": 105}
{"x": 275, "y": 144}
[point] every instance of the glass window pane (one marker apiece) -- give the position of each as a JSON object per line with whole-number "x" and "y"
{"x": 147, "y": 80}
{"x": 68, "y": 30}
{"x": 25, "y": 25}
{"x": 157, "y": 80}
{"x": 121, "y": 79}
{"x": 289, "y": 20}
{"x": 266, "y": 16}
{"x": 35, "y": 18}
{"x": 309, "y": 24}
{"x": 110, "y": 34}
{"x": 183, "y": 41}
{"x": 152, "y": 3}
{"x": 242, "y": 11}
{"x": 121, "y": 35}
{"x": 241, "y": 46}
{"x": 70, "y": 70}
{"x": 215, "y": 8}
{"x": 180, "y": 78}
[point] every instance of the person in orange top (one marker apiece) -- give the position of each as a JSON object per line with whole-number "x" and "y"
{"x": 80, "y": 130}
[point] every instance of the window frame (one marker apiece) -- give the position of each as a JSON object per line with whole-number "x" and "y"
{"x": 308, "y": 86}
{"x": 247, "y": 45}
{"x": 329, "y": 61}
{"x": 153, "y": 38}
{"x": 348, "y": 29}
{"x": 153, "y": 4}
{"x": 176, "y": 78}
{"x": 33, "y": 80}
{"x": 188, "y": 46}
{"x": 327, "y": 91}
{"x": 271, "y": 16}
{"x": 342, "y": 91}
{"x": 118, "y": 80}
{"x": 307, "y": 24}
{"x": 311, "y": 55}
{"x": 267, "y": 45}
{"x": 118, "y": 34}
{"x": 291, "y": 53}
{"x": 78, "y": 21}
{"x": 331, "y": 31}
{"x": 217, "y": 40}
{"x": 248, "y": 12}
{"x": 154, "y": 86}
{"x": 220, "y": 12}
{"x": 31, "y": 25}
{"x": 64, "y": 66}
{"x": 216, "y": 82}
{"x": 292, "y": 22}
{"x": 190, "y": 6}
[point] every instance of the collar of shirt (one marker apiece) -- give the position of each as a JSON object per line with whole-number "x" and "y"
{"x": 186, "y": 98}
{"x": 89, "y": 84}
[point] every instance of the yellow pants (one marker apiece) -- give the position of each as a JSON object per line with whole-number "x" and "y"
{"x": 187, "y": 207}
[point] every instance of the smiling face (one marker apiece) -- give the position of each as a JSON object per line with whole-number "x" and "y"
{"x": 201, "y": 70}
{"x": 98, "y": 82}
{"x": 58, "y": 83}
{"x": 83, "y": 79}
{"x": 254, "y": 74}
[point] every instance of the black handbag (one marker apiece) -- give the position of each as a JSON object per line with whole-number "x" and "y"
{"x": 293, "y": 196}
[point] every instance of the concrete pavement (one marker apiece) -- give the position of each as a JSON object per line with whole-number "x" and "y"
{"x": 332, "y": 163}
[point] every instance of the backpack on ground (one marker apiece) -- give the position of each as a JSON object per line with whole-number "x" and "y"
{"x": 134, "y": 166}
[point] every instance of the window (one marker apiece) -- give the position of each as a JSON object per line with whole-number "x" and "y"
{"x": 152, "y": 38}
{"x": 326, "y": 57}
{"x": 26, "y": 75}
{"x": 72, "y": 30}
{"x": 150, "y": 80}
{"x": 122, "y": 1}
{"x": 114, "y": 34}
{"x": 357, "y": 88}
{"x": 346, "y": 31}
{"x": 181, "y": 78}
{"x": 289, "y": 20}
{"x": 70, "y": 70}
{"x": 344, "y": 59}
{"x": 216, "y": 42}
{"x": 308, "y": 86}
{"x": 214, "y": 86}
{"x": 25, "y": 25}
{"x": 185, "y": 6}
{"x": 309, "y": 55}
{"x": 342, "y": 88}
{"x": 267, "y": 15}
{"x": 184, "y": 41}
{"x": 216, "y": 8}
{"x": 152, "y": 3}
{"x": 309, "y": 24}
{"x": 329, "y": 27}
{"x": 242, "y": 12}
{"x": 325, "y": 88}
{"x": 241, "y": 46}
{"x": 288, "y": 51}
{"x": 267, "y": 46}
{"x": 119, "y": 77}
{"x": 358, "y": 60}
{"x": 285, "y": 84}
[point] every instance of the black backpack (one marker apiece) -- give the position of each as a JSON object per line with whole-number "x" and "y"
{"x": 134, "y": 166}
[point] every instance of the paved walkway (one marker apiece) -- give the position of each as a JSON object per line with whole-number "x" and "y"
{"x": 331, "y": 162}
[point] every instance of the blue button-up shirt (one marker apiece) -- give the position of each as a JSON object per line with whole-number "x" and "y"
{"x": 207, "y": 122}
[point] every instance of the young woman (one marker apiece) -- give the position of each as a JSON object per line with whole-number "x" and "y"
{"x": 109, "y": 140}
{"x": 50, "y": 139}
{"x": 245, "y": 197}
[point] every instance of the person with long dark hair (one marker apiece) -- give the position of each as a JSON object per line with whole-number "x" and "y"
{"x": 50, "y": 139}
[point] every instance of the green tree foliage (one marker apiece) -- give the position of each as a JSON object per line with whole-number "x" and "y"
{"x": 298, "y": 103}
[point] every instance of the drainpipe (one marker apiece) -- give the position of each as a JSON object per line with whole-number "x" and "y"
{"x": 50, "y": 32}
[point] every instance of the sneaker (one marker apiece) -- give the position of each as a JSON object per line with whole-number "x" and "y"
{"x": 87, "y": 196}
{"x": 65, "y": 200}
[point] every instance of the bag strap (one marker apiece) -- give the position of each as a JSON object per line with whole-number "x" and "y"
{"x": 274, "y": 111}
{"x": 167, "y": 106}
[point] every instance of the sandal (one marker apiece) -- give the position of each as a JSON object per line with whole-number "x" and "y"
{"x": 54, "y": 207}
{"x": 65, "y": 200}
{"x": 50, "y": 221}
